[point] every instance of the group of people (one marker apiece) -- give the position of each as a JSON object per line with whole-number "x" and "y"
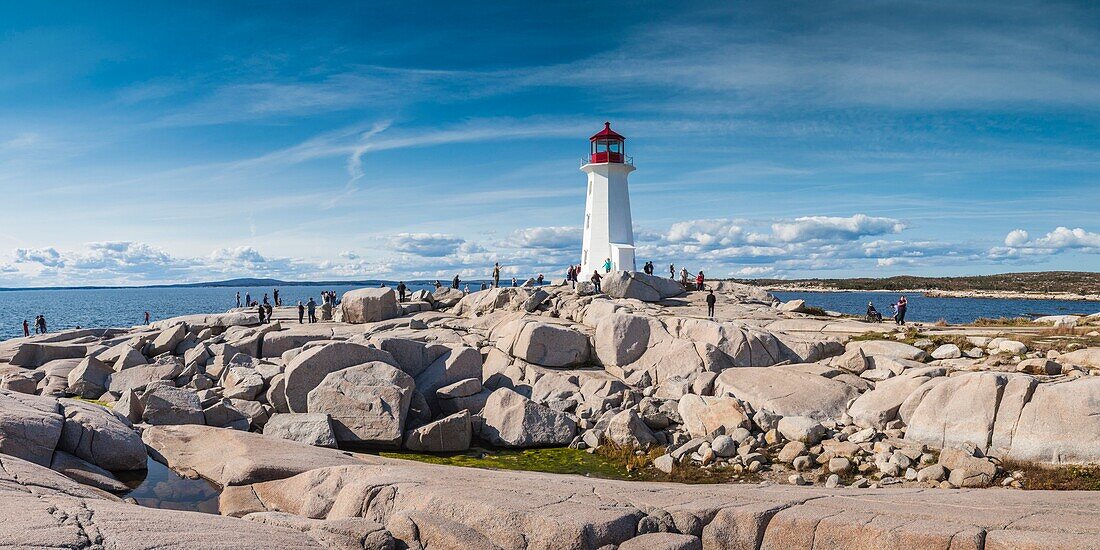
{"x": 685, "y": 275}
{"x": 899, "y": 307}
{"x": 39, "y": 326}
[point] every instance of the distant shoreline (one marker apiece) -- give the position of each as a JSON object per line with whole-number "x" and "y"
{"x": 935, "y": 293}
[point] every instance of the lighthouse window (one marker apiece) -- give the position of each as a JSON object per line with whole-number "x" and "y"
{"x": 614, "y": 147}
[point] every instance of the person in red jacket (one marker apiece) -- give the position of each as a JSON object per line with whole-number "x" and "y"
{"x": 699, "y": 280}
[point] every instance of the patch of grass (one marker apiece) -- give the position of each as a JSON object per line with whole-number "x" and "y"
{"x": 103, "y": 404}
{"x": 814, "y": 310}
{"x": 608, "y": 462}
{"x": 1059, "y": 478}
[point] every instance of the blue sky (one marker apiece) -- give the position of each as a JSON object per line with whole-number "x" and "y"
{"x": 143, "y": 143}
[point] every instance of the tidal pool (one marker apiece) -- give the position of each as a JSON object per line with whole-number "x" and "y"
{"x": 160, "y": 487}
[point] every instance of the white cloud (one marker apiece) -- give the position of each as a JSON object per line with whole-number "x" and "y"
{"x": 48, "y": 257}
{"x": 238, "y": 255}
{"x": 426, "y": 244}
{"x": 1016, "y": 237}
{"x": 828, "y": 228}
{"x": 1063, "y": 238}
{"x": 706, "y": 233}
{"x": 548, "y": 237}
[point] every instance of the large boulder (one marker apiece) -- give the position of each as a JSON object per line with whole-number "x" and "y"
{"x": 232, "y": 457}
{"x": 368, "y": 305}
{"x": 877, "y": 407}
{"x": 888, "y": 348}
{"x": 89, "y": 378}
{"x": 639, "y": 286}
{"x": 137, "y": 378}
{"x": 622, "y": 338}
{"x": 242, "y": 383}
{"x": 1060, "y": 424}
{"x": 308, "y": 368}
{"x": 30, "y": 426}
{"x": 787, "y": 391}
{"x": 367, "y": 403}
{"x": 94, "y": 434}
{"x": 446, "y": 435}
{"x": 544, "y": 344}
{"x": 512, "y": 420}
{"x": 958, "y": 412}
{"x": 309, "y": 428}
{"x": 169, "y": 405}
{"x": 709, "y": 416}
{"x": 456, "y": 364}
{"x": 33, "y": 354}
{"x": 168, "y": 339}
{"x": 627, "y": 429}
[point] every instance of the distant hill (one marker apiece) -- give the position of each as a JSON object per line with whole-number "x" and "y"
{"x": 1072, "y": 282}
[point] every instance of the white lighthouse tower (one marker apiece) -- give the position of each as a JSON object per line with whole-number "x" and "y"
{"x": 608, "y": 233}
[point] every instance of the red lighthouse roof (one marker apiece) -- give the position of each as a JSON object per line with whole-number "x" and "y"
{"x": 606, "y": 133}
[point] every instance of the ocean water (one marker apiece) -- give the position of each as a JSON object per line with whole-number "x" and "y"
{"x": 125, "y": 307}
{"x": 931, "y": 309}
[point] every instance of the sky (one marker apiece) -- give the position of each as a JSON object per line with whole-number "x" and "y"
{"x": 152, "y": 142}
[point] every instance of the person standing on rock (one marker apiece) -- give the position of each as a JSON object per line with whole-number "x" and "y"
{"x": 301, "y": 312}
{"x": 569, "y": 274}
{"x": 40, "y": 323}
{"x": 275, "y": 296}
{"x": 26, "y": 328}
{"x": 260, "y": 311}
{"x": 247, "y": 299}
{"x": 699, "y": 280}
{"x": 671, "y": 271}
{"x": 711, "y": 299}
{"x": 684, "y": 276}
{"x": 401, "y": 288}
{"x": 312, "y": 310}
{"x": 147, "y": 317}
{"x": 903, "y": 304}
{"x": 455, "y": 282}
{"x": 607, "y": 265}
{"x": 513, "y": 281}
{"x": 496, "y": 275}
{"x": 238, "y": 298}
{"x": 539, "y": 279}
{"x": 596, "y": 281}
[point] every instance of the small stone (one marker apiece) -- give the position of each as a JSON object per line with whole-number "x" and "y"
{"x": 832, "y": 482}
{"x": 724, "y": 446}
{"x": 802, "y": 464}
{"x": 840, "y": 466}
{"x": 797, "y": 479}
{"x": 664, "y": 463}
{"x": 791, "y": 451}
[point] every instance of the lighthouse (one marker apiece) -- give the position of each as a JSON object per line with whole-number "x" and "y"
{"x": 608, "y": 233}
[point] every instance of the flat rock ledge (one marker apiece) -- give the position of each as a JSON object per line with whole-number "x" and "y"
{"x": 500, "y": 509}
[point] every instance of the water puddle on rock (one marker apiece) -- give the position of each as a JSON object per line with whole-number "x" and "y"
{"x": 160, "y": 487}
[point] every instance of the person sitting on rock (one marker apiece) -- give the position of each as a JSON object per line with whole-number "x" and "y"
{"x": 711, "y": 299}
{"x": 596, "y": 281}
{"x": 873, "y": 316}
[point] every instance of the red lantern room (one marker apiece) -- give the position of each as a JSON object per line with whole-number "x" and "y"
{"x": 607, "y": 146}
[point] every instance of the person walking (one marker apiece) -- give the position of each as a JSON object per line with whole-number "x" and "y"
{"x": 269, "y": 312}
{"x": 596, "y": 281}
{"x": 607, "y": 265}
{"x": 41, "y": 324}
{"x": 26, "y": 328}
{"x": 147, "y": 317}
{"x": 711, "y": 299}
{"x": 671, "y": 271}
{"x": 401, "y": 288}
{"x": 496, "y": 275}
{"x": 238, "y": 298}
{"x": 301, "y": 312}
{"x": 265, "y": 299}
{"x": 312, "y": 307}
{"x": 260, "y": 310}
{"x": 699, "y": 280}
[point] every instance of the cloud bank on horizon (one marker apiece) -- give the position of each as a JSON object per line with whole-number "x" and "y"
{"x": 142, "y": 144}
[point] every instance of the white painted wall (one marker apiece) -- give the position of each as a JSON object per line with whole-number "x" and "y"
{"x": 606, "y": 216}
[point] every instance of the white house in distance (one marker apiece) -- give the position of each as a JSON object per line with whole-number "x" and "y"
{"x": 608, "y": 232}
